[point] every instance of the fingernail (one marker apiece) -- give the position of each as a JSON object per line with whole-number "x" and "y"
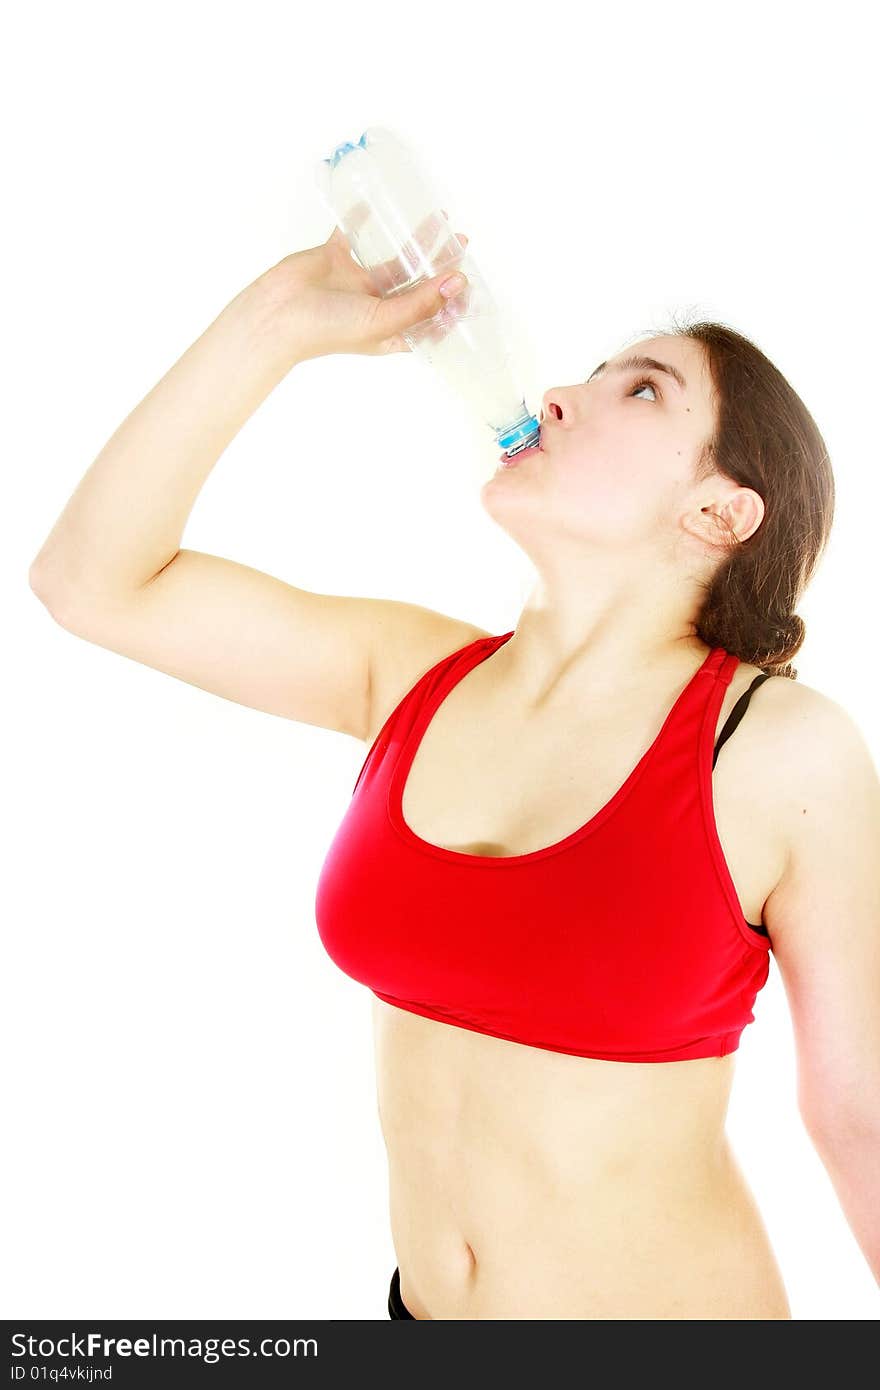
{"x": 452, "y": 285}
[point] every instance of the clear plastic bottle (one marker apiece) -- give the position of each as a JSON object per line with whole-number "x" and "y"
{"x": 390, "y": 215}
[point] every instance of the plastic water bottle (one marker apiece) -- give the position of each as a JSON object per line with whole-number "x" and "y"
{"x": 391, "y": 217}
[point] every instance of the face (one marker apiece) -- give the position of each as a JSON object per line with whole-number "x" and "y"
{"x": 617, "y": 456}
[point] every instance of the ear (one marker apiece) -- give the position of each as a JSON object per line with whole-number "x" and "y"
{"x": 745, "y": 512}
{"x": 740, "y": 513}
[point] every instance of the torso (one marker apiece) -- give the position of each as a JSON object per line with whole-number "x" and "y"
{"x": 526, "y": 1183}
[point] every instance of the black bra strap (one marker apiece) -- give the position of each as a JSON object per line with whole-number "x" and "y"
{"x": 731, "y": 722}
{"x": 737, "y": 713}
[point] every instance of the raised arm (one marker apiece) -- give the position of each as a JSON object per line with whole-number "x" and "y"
{"x": 112, "y": 570}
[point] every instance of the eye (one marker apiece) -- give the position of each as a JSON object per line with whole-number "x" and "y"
{"x": 645, "y": 381}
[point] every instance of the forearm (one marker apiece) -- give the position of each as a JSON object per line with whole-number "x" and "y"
{"x": 851, "y": 1158}
{"x": 125, "y": 520}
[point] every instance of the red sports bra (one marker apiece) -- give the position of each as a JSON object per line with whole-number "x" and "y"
{"x": 624, "y": 941}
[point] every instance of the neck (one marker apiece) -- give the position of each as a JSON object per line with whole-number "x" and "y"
{"x": 601, "y": 645}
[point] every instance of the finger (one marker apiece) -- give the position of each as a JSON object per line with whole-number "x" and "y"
{"x": 413, "y": 306}
{"x": 358, "y": 215}
{"x": 453, "y": 247}
{"x": 389, "y": 274}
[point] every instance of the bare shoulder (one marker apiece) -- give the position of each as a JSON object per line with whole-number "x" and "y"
{"x": 815, "y": 757}
{"x": 407, "y": 639}
{"x": 827, "y": 792}
{"x": 802, "y": 718}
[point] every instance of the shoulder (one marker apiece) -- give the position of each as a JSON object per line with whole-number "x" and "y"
{"x": 808, "y": 726}
{"x": 820, "y": 771}
{"x": 823, "y": 915}
{"x": 809, "y": 735}
{"x": 408, "y": 640}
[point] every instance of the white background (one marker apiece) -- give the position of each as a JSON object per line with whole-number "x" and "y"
{"x": 188, "y": 1078}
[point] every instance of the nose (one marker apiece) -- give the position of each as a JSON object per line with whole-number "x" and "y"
{"x": 551, "y": 403}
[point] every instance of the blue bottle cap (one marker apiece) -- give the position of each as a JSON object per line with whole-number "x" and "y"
{"x": 344, "y": 148}
{"x": 523, "y": 435}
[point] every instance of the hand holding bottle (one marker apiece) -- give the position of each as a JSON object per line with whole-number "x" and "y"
{"x": 331, "y": 304}
{"x": 388, "y": 208}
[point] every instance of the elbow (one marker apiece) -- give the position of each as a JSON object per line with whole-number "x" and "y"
{"x": 37, "y": 573}
{"x": 42, "y": 581}
{"x": 843, "y": 1127}
{"x": 50, "y": 591}
{"x": 39, "y": 580}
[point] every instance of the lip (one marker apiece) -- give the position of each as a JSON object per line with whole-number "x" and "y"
{"x": 517, "y": 458}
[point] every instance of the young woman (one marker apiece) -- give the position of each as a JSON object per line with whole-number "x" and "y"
{"x": 563, "y": 904}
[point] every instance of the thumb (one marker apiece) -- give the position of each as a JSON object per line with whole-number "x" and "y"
{"x": 422, "y": 301}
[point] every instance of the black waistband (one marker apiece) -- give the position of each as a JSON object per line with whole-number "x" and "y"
{"x": 396, "y": 1306}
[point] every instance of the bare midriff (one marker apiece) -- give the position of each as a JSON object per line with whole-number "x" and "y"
{"x": 526, "y": 1183}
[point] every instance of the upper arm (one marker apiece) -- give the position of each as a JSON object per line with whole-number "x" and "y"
{"x": 249, "y": 637}
{"x": 407, "y": 641}
{"x": 824, "y": 917}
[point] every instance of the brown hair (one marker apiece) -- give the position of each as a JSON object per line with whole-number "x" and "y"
{"x": 767, "y": 440}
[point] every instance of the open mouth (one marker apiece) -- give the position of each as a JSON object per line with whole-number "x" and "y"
{"x": 519, "y": 457}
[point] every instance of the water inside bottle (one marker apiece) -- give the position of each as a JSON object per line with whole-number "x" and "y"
{"x": 465, "y": 343}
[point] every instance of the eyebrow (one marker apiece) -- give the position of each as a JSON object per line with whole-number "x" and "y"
{"x": 642, "y": 364}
